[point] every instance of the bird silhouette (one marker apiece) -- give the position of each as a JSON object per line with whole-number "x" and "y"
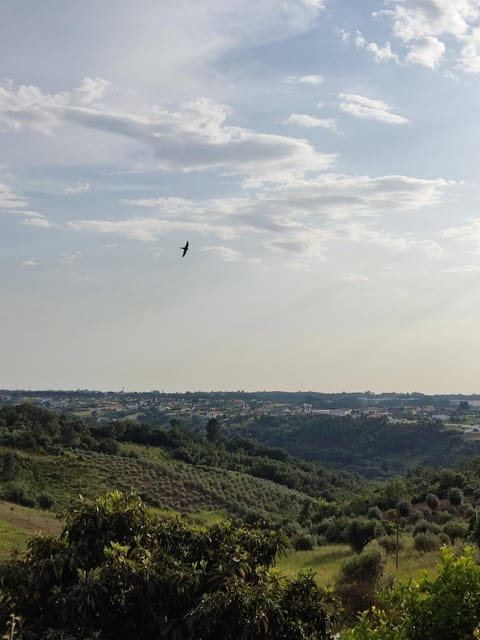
{"x": 184, "y": 249}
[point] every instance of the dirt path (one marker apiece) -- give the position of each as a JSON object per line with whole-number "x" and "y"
{"x": 29, "y": 519}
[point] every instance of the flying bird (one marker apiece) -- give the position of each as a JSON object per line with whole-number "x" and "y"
{"x": 184, "y": 249}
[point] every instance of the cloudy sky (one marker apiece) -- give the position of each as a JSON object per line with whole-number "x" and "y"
{"x": 321, "y": 156}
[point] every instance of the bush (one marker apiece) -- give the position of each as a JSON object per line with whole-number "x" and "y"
{"x": 455, "y": 496}
{"x": 456, "y": 529}
{"x": 303, "y": 542}
{"x": 360, "y": 531}
{"x": 374, "y": 513}
{"x": 389, "y": 543}
{"x": 404, "y": 508}
{"x": 45, "y": 501}
{"x": 432, "y": 501}
{"x": 359, "y": 579}
{"x": 336, "y": 530}
{"x": 414, "y": 516}
{"x": 442, "y": 517}
{"x": 18, "y": 493}
{"x": 441, "y": 608}
{"x": 117, "y": 572}
{"x": 423, "y": 526}
{"x": 427, "y": 542}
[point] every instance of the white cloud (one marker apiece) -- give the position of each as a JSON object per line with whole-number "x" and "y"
{"x": 369, "y": 109}
{"x": 299, "y": 218}
{"x": 413, "y": 19}
{"x": 70, "y": 257}
{"x": 41, "y": 223}
{"x": 79, "y": 187}
{"x": 427, "y": 51}
{"x": 196, "y": 137}
{"x": 342, "y": 196}
{"x": 469, "y": 58}
{"x": 9, "y": 199}
{"x": 355, "y": 277}
{"x": 314, "y": 80}
{"x": 380, "y": 54}
{"x": 90, "y": 90}
{"x": 304, "y": 120}
{"x": 13, "y": 204}
{"x": 226, "y": 253}
{"x": 468, "y": 232}
{"x": 465, "y": 268}
{"x": 29, "y": 263}
{"x": 426, "y": 27}
{"x": 147, "y": 229}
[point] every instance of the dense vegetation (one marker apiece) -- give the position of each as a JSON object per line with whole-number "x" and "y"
{"x": 374, "y": 447}
{"x": 47, "y": 460}
{"x": 118, "y": 572}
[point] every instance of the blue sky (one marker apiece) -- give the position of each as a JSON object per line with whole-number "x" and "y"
{"x": 321, "y": 157}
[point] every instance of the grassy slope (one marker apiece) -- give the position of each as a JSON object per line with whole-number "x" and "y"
{"x": 326, "y": 561}
{"x": 18, "y": 524}
{"x": 162, "y": 482}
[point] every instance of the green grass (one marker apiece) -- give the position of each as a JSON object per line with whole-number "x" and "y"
{"x": 326, "y": 562}
{"x": 12, "y": 539}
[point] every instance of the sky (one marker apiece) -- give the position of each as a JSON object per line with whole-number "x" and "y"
{"x": 321, "y": 157}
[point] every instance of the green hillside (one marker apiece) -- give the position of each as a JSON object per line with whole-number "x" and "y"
{"x": 373, "y": 447}
{"x": 46, "y": 460}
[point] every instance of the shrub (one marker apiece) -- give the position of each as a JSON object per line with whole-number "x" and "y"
{"x": 45, "y": 501}
{"x": 432, "y": 501}
{"x": 359, "y": 579}
{"x": 423, "y": 526}
{"x": 445, "y": 607}
{"x": 404, "y": 508}
{"x": 442, "y": 517}
{"x": 389, "y": 543}
{"x": 18, "y": 493}
{"x": 303, "y": 542}
{"x": 374, "y": 513}
{"x": 120, "y": 573}
{"x": 455, "y": 529}
{"x": 444, "y": 539}
{"x": 336, "y": 530}
{"x": 427, "y": 542}
{"x": 455, "y": 496}
{"x": 414, "y": 516}
{"x": 360, "y": 531}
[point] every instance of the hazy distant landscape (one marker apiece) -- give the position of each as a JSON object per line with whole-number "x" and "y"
{"x": 361, "y": 487}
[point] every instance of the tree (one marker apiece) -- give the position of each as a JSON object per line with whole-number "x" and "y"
{"x": 359, "y": 579}
{"x": 360, "y": 531}
{"x": 118, "y": 572}
{"x": 212, "y": 427}
{"x": 455, "y": 496}
{"x": 432, "y": 501}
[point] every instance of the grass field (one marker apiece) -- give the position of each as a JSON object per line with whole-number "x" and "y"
{"x": 326, "y": 562}
{"x": 18, "y": 524}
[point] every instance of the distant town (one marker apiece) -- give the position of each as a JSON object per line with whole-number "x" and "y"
{"x": 159, "y": 407}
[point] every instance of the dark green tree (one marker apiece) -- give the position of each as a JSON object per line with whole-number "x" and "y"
{"x": 212, "y": 428}
{"x": 117, "y": 572}
{"x": 361, "y": 530}
{"x": 455, "y": 496}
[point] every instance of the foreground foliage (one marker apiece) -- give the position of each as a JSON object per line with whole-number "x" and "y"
{"x": 447, "y": 606}
{"x": 116, "y": 571}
